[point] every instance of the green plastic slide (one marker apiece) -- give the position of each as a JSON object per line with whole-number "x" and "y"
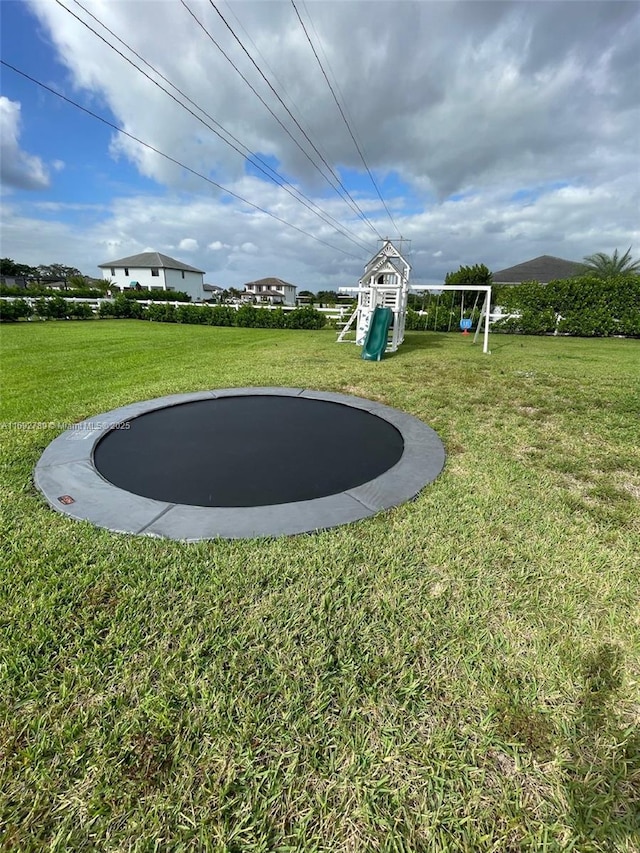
{"x": 376, "y": 341}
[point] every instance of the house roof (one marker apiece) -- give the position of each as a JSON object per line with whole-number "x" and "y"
{"x": 146, "y": 260}
{"x": 272, "y": 293}
{"x": 213, "y": 288}
{"x": 544, "y": 269}
{"x": 272, "y": 283}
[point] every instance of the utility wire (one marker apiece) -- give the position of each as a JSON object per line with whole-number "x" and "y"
{"x": 265, "y": 62}
{"x": 350, "y": 200}
{"x": 344, "y": 118}
{"x": 173, "y": 160}
{"x": 289, "y": 188}
{"x": 266, "y": 105}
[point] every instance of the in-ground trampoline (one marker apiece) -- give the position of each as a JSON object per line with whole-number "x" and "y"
{"x": 238, "y": 463}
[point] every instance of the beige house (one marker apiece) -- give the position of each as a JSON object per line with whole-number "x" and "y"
{"x": 271, "y": 290}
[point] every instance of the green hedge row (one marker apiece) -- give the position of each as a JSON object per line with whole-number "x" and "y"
{"x": 156, "y": 295}
{"x": 584, "y": 306}
{"x": 56, "y": 308}
{"x": 589, "y": 323}
{"x": 35, "y": 290}
{"x": 122, "y": 307}
{"x": 247, "y": 316}
{"x": 94, "y": 293}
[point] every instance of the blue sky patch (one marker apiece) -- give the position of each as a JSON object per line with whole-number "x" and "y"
{"x": 531, "y": 194}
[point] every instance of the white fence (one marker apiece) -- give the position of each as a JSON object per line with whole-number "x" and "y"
{"x": 337, "y": 312}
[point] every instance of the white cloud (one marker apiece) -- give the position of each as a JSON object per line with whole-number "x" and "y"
{"x": 512, "y": 126}
{"x": 188, "y": 244}
{"x": 455, "y": 93}
{"x": 17, "y": 168}
{"x": 67, "y": 206}
{"x": 569, "y": 222}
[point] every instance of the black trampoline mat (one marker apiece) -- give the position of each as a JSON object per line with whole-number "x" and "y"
{"x": 248, "y": 451}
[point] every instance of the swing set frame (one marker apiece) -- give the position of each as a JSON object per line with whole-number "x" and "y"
{"x": 484, "y": 312}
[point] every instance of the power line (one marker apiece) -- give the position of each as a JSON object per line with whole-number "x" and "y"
{"x": 344, "y": 118}
{"x": 264, "y": 103}
{"x": 250, "y": 157}
{"x": 349, "y": 198}
{"x": 265, "y": 62}
{"x": 173, "y": 160}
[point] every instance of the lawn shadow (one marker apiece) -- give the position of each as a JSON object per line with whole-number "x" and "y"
{"x": 602, "y": 774}
{"x": 500, "y": 342}
{"x": 415, "y": 341}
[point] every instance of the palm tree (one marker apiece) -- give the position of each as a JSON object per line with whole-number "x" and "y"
{"x": 607, "y": 265}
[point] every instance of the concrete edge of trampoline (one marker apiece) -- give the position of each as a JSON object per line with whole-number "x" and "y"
{"x": 69, "y": 481}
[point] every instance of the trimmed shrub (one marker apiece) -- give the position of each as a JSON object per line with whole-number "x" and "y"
{"x": 221, "y": 315}
{"x": 629, "y": 323}
{"x": 193, "y": 314}
{"x": 247, "y": 316}
{"x": 12, "y": 310}
{"x": 55, "y": 308}
{"x": 528, "y": 322}
{"x": 80, "y": 310}
{"x": 271, "y": 319}
{"x": 121, "y": 308}
{"x": 136, "y": 310}
{"x": 155, "y": 313}
{"x": 538, "y": 322}
{"x": 305, "y": 318}
{"x": 106, "y": 310}
{"x": 156, "y": 295}
{"x": 170, "y": 314}
{"x": 588, "y": 323}
{"x": 11, "y": 290}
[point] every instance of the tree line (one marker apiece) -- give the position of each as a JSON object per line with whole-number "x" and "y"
{"x": 71, "y": 277}
{"x": 601, "y": 299}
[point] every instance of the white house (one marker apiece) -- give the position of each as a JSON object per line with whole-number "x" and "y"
{"x": 272, "y": 290}
{"x": 213, "y": 291}
{"x": 155, "y": 271}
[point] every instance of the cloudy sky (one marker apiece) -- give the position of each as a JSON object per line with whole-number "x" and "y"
{"x": 495, "y": 131}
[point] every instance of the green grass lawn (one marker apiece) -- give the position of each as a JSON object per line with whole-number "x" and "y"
{"x": 461, "y": 673}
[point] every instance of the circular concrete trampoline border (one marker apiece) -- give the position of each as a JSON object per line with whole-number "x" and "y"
{"x": 66, "y": 475}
